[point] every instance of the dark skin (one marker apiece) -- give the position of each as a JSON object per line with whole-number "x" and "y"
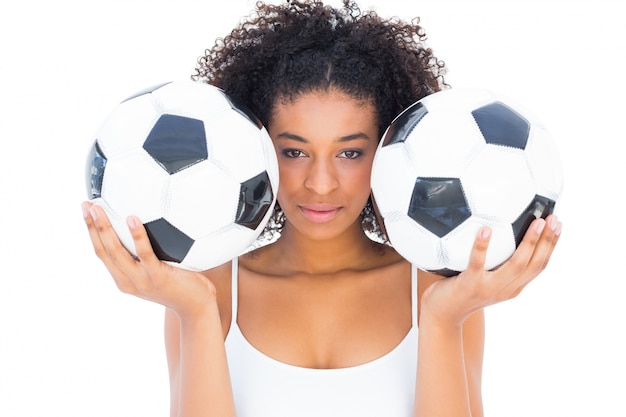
{"x": 348, "y": 307}
{"x": 325, "y": 297}
{"x": 347, "y": 282}
{"x": 324, "y": 272}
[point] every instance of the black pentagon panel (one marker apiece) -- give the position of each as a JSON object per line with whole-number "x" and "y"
{"x": 438, "y": 204}
{"x": 255, "y": 198}
{"x": 168, "y": 242}
{"x": 539, "y": 207}
{"x": 445, "y": 272}
{"x": 501, "y": 125}
{"x": 177, "y": 142}
{"x": 96, "y": 163}
{"x": 243, "y": 110}
{"x": 146, "y": 91}
{"x": 404, "y": 124}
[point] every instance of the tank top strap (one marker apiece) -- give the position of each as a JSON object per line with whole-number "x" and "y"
{"x": 234, "y": 284}
{"x": 414, "y": 297}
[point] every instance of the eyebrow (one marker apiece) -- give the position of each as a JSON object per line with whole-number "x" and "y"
{"x": 347, "y": 138}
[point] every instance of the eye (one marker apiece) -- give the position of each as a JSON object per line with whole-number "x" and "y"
{"x": 293, "y": 153}
{"x": 351, "y": 154}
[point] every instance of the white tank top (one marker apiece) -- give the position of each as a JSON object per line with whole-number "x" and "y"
{"x": 265, "y": 387}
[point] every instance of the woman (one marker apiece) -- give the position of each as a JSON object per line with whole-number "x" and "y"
{"x": 323, "y": 320}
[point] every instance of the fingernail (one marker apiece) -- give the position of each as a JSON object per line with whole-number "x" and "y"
{"x": 85, "y": 210}
{"x": 553, "y": 223}
{"x": 131, "y": 222}
{"x": 485, "y": 233}
{"x": 557, "y": 230}
{"x": 92, "y": 210}
{"x": 540, "y": 225}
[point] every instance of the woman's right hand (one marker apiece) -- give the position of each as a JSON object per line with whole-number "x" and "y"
{"x": 185, "y": 292}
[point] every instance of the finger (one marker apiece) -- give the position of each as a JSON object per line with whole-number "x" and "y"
{"x": 109, "y": 238}
{"x": 143, "y": 247}
{"x": 518, "y": 263}
{"x": 156, "y": 273}
{"x": 94, "y": 235}
{"x": 90, "y": 215}
{"x": 479, "y": 250}
{"x": 110, "y": 250}
{"x": 534, "y": 252}
{"x": 547, "y": 242}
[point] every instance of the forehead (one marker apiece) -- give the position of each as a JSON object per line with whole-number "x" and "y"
{"x": 326, "y": 110}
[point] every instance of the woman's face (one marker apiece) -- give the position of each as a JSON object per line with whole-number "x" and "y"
{"x": 325, "y": 142}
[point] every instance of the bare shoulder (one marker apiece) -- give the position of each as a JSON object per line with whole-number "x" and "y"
{"x": 385, "y": 256}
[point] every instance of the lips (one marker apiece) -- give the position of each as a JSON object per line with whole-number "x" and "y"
{"x": 320, "y": 213}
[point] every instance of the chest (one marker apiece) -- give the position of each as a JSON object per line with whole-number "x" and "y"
{"x": 263, "y": 386}
{"x": 326, "y": 324}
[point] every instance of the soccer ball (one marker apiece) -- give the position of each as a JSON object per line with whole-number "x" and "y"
{"x": 197, "y": 169}
{"x": 455, "y": 161}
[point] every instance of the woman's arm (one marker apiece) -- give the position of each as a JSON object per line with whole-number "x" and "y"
{"x": 451, "y": 322}
{"x": 450, "y": 366}
{"x": 473, "y": 339}
{"x": 199, "y": 377}
{"x": 473, "y": 352}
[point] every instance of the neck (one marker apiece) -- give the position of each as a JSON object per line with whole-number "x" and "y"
{"x": 311, "y": 256}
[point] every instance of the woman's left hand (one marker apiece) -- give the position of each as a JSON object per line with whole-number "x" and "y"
{"x": 452, "y": 300}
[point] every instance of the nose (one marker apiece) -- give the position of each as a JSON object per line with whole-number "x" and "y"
{"x": 321, "y": 177}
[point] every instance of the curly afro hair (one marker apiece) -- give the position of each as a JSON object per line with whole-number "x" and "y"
{"x": 285, "y": 50}
{"x": 282, "y": 51}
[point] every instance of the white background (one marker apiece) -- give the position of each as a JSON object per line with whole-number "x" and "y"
{"x": 72, "y": 345}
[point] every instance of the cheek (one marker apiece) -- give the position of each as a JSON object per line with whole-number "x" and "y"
{"x": 365, "y": 172}
{"x": 288, "y": 184}
{"x": 364, "y": 184}
{"x": 357, "y": 181}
